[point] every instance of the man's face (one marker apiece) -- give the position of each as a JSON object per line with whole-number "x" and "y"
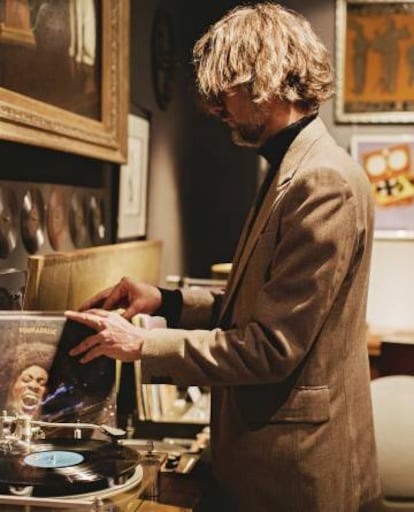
{"x": 250, "y": 123}
{"x": 28, "y": 390}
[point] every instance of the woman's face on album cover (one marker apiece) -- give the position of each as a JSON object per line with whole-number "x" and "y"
{"x": 28, "y": 390}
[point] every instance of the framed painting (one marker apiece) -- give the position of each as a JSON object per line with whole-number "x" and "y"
{"x": 132, "y": 213}
{"x": 64, "y": 75}
{"x": 375, "y": 61}
{"x": 389, "y": 164}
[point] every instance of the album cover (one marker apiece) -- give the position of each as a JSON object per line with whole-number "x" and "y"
{"x": 41, "y": 379}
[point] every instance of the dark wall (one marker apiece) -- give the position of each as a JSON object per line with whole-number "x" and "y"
{"x": 199, "y": 181}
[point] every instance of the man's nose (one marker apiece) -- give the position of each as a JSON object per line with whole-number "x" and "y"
{"x": 216, "y": 110}
{"x": 220, "y": 111}
{"x": 34, "y": 386}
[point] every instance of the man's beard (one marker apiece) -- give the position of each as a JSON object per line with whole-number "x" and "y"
{"x": 252, "y": 133}
{"x": 248, "y": 135}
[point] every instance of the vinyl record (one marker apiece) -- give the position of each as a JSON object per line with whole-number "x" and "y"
{"x": 68, "y": 466}
{"x": 78, "y": 214}
{"x": 96, "y": 221}
{"x": 33, "y": 220}
{"x": 57, "y": 218}
{"x": 8, "y": 221}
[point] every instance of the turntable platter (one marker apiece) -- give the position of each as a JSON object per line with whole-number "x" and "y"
{"x": 68, "y": 466}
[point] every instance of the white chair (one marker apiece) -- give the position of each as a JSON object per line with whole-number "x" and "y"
{"x": 393, "y": 407}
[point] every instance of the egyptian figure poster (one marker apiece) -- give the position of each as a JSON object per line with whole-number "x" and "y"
{"x": 375, "y": 61}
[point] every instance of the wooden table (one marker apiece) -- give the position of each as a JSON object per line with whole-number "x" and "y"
{"x": 391, "y": 352}
{"x": 177, "y": 492}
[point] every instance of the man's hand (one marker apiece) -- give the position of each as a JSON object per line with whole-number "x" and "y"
{"x": 116, "y": 337}
{"x": 132, "y": 296}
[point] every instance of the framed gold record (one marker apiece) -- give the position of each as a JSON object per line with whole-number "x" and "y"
{"x": 78, "y": 218}
{"x": 57, "y": 218}
{"x": 96, "y": 220}
{"x": 8, "y": 221}
{"x": 33, "y": 215}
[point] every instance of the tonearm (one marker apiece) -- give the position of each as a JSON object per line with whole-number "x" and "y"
{"x": 19, "y": 431}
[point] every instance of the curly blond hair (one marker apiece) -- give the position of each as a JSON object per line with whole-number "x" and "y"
{"x": 271, "y": 51}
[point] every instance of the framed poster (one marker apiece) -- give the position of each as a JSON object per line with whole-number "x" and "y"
{"x": 389, "y": 164}
{"x": 64, "y": 75}
{"x": 375, "y": 61}
{"x": 132, "y": 213}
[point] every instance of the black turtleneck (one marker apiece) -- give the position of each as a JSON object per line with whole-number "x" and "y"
{"x": 274, "y": 149}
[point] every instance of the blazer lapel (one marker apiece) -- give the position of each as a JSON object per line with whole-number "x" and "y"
{"x": 248, "y": 242}
{"x": 251, "y": 232}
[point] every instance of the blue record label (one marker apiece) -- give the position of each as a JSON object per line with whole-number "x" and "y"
{"x": 53, "y": 459}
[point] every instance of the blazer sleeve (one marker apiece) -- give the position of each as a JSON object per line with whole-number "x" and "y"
{"x": 315, "y": 242}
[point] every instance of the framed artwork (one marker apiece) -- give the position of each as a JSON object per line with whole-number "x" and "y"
{"x": 132, "y": 213}
{"x": 389, "y": 164}
{"x": 375, "y": 61}
{"x": 64, "y": 75}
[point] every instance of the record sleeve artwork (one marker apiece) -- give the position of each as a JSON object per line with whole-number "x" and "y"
{"x": 57, "y": 429}
{"x": 41, "y": 380}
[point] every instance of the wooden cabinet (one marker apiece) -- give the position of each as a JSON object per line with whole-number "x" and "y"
{"x": 391, "y": 353}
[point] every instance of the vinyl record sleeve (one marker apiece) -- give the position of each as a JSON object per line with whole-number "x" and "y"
{"x": 41, "y": 379}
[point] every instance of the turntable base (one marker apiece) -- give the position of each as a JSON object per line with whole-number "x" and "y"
{"x": 178, "y": 494}
{"x": 126, "y": 501}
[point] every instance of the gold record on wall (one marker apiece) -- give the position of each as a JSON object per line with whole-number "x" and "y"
{"x": 8, "y": 221}
{"x": 57, "y": 218}
{"x": 96, "y": 221}
{"x": 33, "y": 220}
{"x": 78, "y": 220}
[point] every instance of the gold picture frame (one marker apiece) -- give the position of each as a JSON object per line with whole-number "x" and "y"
{"x": 64, "y": 123}
{"x": 375, "y": 61}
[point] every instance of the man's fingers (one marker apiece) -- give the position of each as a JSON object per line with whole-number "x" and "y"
{"x": 85, "y": 345}
{"x": 129, "y": 312}
{"x": 95, "y": 301}
{"x": 86, "y": 318}
{"x": 97, "y": 351}
{"x": 99, "y": 312}
{"x": 115, "y": 296}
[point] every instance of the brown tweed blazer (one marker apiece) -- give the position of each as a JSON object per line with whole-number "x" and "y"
{"x": 287, "y": 358}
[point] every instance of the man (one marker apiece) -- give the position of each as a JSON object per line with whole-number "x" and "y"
{"x": 284, "y": 349}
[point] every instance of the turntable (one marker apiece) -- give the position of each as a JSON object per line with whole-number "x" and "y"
{"x": 71, "y": 474}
